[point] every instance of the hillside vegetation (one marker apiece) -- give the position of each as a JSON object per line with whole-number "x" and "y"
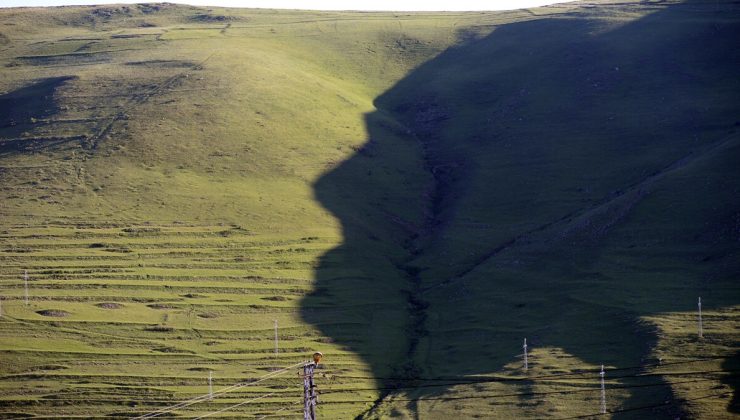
{"x": 411, "y": 194}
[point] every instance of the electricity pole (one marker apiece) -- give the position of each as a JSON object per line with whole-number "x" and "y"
{"x": 603, "y": 391}
{"x": 276, "y": 338}
{"x": 310, "y": 399}
{"x": 526, "y": 363}
{"x": 701, "y": 330}
{"x": 25, "y": 283}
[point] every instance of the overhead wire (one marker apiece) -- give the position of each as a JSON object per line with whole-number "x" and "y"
{"x": 275, "y": 414}
{"x": 204, "y": 397}
{"x": 492, "y": 380}
{"x": 523, "y": 394}
{"x": 231, "y": 407}
{"x": 579, "y": 372}
{"x": 717, "y": 376}
{"x": 452, "y": 381}
{"x": 647, "y": 407}
{"x": 296, "y": 411}
{"x": 520, "y": 394}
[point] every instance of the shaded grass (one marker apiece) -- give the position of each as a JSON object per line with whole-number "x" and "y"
{"x": 326, "y": 169}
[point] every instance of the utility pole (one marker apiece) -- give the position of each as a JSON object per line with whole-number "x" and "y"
{"x": 309, "y": 393}
{"x": 25, "y": 282}
{"x": 526, "y": 363}
{"x": 210, "y": 385}
{"x": 603, "y": 391}
{"x": 276, "y": 339}
{"x": 310, "y": 399}
{"x": 701, "y": 330}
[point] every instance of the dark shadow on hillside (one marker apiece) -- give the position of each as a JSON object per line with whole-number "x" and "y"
{"x": 634, "y": 99}
{"x": 732, "y": 364}
{"x": 20, "y": 110}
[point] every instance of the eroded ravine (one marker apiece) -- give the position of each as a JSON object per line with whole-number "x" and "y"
{"x": 438, "y": 198}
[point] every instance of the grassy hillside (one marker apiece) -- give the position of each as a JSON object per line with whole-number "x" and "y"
{"x": 411, "y": 194}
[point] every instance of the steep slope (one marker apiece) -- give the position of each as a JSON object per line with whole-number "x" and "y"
{"x": 565, "y": 155}
{"x": 157, "y": 176}
{"x": 412, "y": 194}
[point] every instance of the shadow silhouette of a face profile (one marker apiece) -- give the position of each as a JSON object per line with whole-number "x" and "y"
{"x": 559, "y": 179}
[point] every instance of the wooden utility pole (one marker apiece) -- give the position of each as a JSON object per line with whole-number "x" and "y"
{"x": 210, "y": 385}
{"x": 526, "y": 362}
{"x": 310, "y": 398}
{"x": 309, "y": 412}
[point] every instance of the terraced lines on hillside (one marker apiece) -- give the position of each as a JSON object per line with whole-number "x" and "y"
{"x": 281, "y": 181}
{"x": 123, "y": 317}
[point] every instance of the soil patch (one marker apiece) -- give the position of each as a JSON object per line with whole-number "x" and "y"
{"x": 58, "y": 313}
{"x": 160, "y": 306}
{"x": 109, "y": 305}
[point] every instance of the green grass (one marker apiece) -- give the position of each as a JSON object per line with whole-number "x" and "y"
{"x": 172, "y": 322}
{"x": 411, "y": 194}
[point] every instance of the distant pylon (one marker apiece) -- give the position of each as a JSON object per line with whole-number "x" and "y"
{"x": 25, "y": 284}
{"x": 603, "y": 391}
{"x": 701, "y": 329}
{"x": 276, "y": 338}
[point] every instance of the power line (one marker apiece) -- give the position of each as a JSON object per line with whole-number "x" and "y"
{"x": 580, "y": 372}
{"x": 235, "y": 405}
{"x": 646, "y": 407}
{"x": 217, "y": 393}
{"x": 451, "y": 381}
{"x": 296, "y": 411}
{"x": 524, "y": 394}
{"x": 444, "y": 384}
{"x": 717, "y": 373}
{"x": 284, "y": 409}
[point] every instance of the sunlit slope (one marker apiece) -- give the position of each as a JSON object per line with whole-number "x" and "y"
{"x": 412, "y": 194}
{"x": 158, "y": 166}
{"x": 186, "y": 117}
